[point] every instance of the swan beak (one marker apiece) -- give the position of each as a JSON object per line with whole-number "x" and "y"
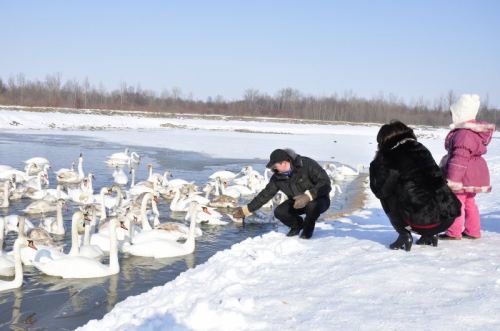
{"x": 206, "y": 211}
{"x": 155, "y": 198}
{"x": 64, "y": 206}
{"x": 123, "y": 226}
{"x": 32, "y": 245}
{"x": 136, "y": 221}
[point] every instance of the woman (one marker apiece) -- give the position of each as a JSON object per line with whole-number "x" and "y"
{"x": 411, "y": 187}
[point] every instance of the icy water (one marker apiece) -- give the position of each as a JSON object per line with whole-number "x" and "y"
{"x": 52, "y": 303}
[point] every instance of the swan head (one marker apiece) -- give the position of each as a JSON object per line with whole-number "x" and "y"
{"x": 24, "y": 241}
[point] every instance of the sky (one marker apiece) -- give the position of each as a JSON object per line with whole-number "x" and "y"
{"x": 344, "y": 278}
{"x": 412, "y": 49}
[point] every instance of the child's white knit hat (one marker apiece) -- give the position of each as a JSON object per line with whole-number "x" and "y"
{"x": 464, "y": 109}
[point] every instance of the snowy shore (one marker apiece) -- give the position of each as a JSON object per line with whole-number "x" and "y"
{"x": 344, "y": 278}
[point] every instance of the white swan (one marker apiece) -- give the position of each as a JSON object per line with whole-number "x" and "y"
{"x": 120, "y": 177}
{"x": 102, "y": 239}
{"x": 71, "y": 177}
{"x": 223, "y": 174}
{"x": 163, "y": 231}
{"x": 17, "y": 175}
{"x": 243, "y": 190}
{"x": 55, "y": 225}
{"x": 173, "y": 182}
{"x": 335, "y": 188}
{"x": 44, "y": 253}
{"x": 208, "y": 216}
{"x": 166, "y": 248}
{"x": 346, "y": 171}
{"x": 12, "y": 222}
{"x": 86, "y": 250}
{"x": 6, "y": 262}
{"x": 6, "y": 186}
{"x": 38, "y": 160}
{"x": 72, "y": 169}
{"x": 58, "y": 193}
{"x": 177, "y": 203}
{"x": 18, "y": 266}
{"x": 83, "y": 267}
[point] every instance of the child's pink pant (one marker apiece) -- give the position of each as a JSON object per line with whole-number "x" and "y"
{"x": 469, "y": 218}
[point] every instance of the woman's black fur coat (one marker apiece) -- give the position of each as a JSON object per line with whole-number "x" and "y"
{"x": 405, "y": 170}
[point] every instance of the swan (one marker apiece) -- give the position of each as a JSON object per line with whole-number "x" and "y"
{"x": 4, "y": 167}
{"x": 41, "y": 206}
{"x": 71, "y": 177}
{"x": 335, "y": 188}
{"x": 18, "y": 266}
{"x": 6, "y": 262}
{"x": 166, "y": 248}
{"x": 209, "y": 216}
{"x": 58, "y": 193}
{"x": 120, "y": 155}
{"x": 279, "y": 198}
{"x": 257, "y": 217}
{"x": 235, "y": 193}
{"x": 166, "y": 231}
{"x": 86, "y": 250}
{"x": 102, "y": 239}
{"x": 11, "y": 224}
{"x": 38, "y": 160}
{"x": 221, "y": 201}
{"x": 120, "y": 177}
{"x": 72, "y": 169}
{"x": 173, "y": 182}
{"x": 224, "y": 175}
{"x": 177, "y": 203}
{"x": 123, "y": 158}
{"x": 243, "y": 190}
{"x": 55, "y": 225}
{"x": 17, "y": 175}
{"x": 346, "y": 171}
{"x": 6, "y": 185}
{"x": 45, "y": 252}
{"x": 83, "y": 267}
{"x": 98, "y": 200}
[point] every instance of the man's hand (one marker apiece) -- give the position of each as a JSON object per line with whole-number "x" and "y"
{"x": 239, "y": 213}
{"x": 301, "y": 201}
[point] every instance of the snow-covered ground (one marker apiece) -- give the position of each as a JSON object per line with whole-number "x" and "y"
{"x": 344, "y": 278}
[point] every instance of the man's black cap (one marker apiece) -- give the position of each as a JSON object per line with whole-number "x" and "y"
{"x": 277, "y": 155}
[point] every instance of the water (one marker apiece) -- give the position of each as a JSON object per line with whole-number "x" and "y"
{"x": 52, "y": 303}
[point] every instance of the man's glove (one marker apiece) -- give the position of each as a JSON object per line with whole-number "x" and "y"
{"x": 242, "y": 212}
{"x": 239, "y": 213}
{"x": 301, "y": 201}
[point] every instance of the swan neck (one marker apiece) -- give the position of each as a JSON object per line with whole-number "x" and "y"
{"x": 144, "y": 217}
{"x": 114, "y": 267}
{"x": 103, "y": 204}
{"x": 75, "y": 248}
{"x": 18, "y": 265}
{"x": 59, "y": 219}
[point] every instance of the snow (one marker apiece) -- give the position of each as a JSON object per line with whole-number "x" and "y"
{"x": 345, "y": 277}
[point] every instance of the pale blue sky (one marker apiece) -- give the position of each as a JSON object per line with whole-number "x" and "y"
{"x": 410, "y": 48}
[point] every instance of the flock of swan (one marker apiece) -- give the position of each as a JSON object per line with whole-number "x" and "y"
{"x": 122, "y": 218}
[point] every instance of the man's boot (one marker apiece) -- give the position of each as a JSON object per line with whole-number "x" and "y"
{"x": 295, "y": 229}
{"x": 308, "y": 230}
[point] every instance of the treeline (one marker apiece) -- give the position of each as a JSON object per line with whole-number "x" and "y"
{"x": 285, "y": 103}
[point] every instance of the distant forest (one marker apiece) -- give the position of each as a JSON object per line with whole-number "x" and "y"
{"x": 285, "y": 103}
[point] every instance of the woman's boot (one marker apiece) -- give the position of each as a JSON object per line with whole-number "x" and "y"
{"x": 405, "y": 240}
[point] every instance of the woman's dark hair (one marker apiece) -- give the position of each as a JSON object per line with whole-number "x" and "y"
{"x": 391, "y": 130}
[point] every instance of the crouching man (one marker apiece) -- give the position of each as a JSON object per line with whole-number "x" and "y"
{"x": 304, "y": 182}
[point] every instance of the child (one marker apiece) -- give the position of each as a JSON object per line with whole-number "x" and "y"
{"x": 411, "y": 187}
{"x": 464, "y": 167}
